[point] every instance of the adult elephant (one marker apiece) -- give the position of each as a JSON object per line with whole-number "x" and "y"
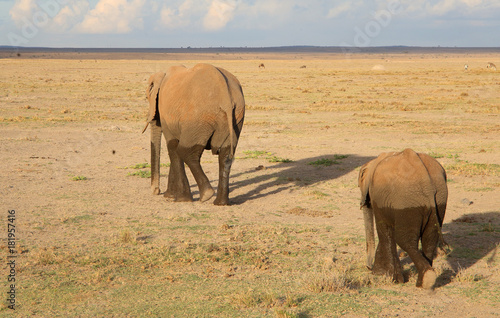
{"x": 407, "y": 194}
{"x": 198, "y": 108}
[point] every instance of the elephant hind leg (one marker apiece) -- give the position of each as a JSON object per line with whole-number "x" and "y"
{"x": 386, "y": 258}
{"x": 178, "y": 185}
{"x": 192, "y": 157}
{"x": 430, "y": 239}
{"x": 407, "y": 238}
{"x": 225, "y": 162}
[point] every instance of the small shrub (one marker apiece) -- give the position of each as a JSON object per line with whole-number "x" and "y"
{"x": 256, "y": 154}
{"x": 126, "y": 236}
{"x": 247, "y": 299}
{"x": 278, "y": 159}
{"x": 333, "y": 279}
{"x": 145, "y": 165}
{"x": 328, "y": 162}
{"x": 464, "y": 167}
{"x": 488, "y": 228}
{"x": 141, "y": 174}
{"x": 318, "y": 194}
{"x": 141, "y": 166}
{"x": 328, "y": 282}
{"x": 283, "y": 313}
{"x": 436, "y": 155}
{"x": 79, "y": 178}
{"x": 467, "y": 276}
{"x": 46, "y": 257}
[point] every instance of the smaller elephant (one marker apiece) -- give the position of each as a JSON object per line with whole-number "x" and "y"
{"x": 406, "y": 192}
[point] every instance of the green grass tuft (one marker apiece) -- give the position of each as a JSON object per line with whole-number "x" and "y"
{"x": 141, "y": 173}
{"x": 79, "y": 178}
{"x": 269, "y": 156}
{"x": 325, "y": 162}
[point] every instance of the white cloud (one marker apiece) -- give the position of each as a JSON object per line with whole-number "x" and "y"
{"x": 70, "y": 15}
{"x": 442, "y": 7}
{"x": 219, "y": 14}
{"x": 472, "y": 3}
{"x": 422, "y": 8}
{"x": 214, "y": 15}
{"x": 49, "y": 15}
{"x": 22, "y": 9}
{"x": 182, "y": 16}
{"x": 222, "y": 22}
{"x": 264, "y": 14}
{"x": 338, "y": 10}
{"x": 113, "y": 16}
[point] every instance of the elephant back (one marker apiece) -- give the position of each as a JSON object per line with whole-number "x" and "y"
{"x": 402, "y": 181}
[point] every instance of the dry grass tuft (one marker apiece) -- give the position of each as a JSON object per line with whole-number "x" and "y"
{"x": 467, "y": 275}
{"x": 45, "y": 257}
{"x": 466, "y": 168}
{"x": 126, "y": 236}
{"x": 251, "y": 298}
{"x": 307, "y": 212}
{"x": 335, "y": 278}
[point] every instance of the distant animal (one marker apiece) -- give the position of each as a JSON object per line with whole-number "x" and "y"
{"x": 466, "y": 67}
{"x": 491, "y": 65}
{"x": 303, "y": 66}
{"x": 261, "y": 65}
{"x": 198, "y": 108}
{"x": 407, "y": 193}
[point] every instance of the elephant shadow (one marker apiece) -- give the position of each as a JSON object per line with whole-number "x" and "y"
{"x": 273, "y": 178}
{"x": 471, "y": 238}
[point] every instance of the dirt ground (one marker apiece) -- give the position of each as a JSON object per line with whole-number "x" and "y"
{"x": 92, "y": 240}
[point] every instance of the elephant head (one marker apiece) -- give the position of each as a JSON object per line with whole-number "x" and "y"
{"x": 152, "y": 91}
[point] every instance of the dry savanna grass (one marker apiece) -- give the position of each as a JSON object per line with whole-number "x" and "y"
{"x": 93, "y": 241}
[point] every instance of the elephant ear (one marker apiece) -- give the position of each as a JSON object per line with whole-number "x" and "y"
{"x": 366, "y": 175}
{"x": 152, "y": 91}
{"x": 364, "y": 180}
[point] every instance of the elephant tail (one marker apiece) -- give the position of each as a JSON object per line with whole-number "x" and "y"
{"x": 145, "y": 127}
{"x": 437, "y": 222}
{"x": 369, "y": 235}
{"x": 230, "y": 124}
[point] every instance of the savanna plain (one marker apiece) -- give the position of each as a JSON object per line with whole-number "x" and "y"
{"x": 93, "y": 241}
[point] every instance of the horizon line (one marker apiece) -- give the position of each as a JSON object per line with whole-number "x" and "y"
{"x": 249, "y": 47}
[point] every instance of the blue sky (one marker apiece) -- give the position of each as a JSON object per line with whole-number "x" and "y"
{"x": 253, "y": 23}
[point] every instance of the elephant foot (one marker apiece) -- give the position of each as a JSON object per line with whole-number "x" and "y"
{"x": 169, "y": 195}
{"x": 381, "y": 269}
{"x": 398, "y": 278}
{"x": 178, "y": 198}
{"x": 221, "y": 201}
{"x": 390, "y": 271}
{"x": 156, "y": 191}
{"x": 428, "y": 279}
{"x": 207, "y": 194}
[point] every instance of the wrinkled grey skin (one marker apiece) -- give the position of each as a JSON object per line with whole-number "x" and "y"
{"x": 195, "y": 109}
{"x": 407, "y": 193}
